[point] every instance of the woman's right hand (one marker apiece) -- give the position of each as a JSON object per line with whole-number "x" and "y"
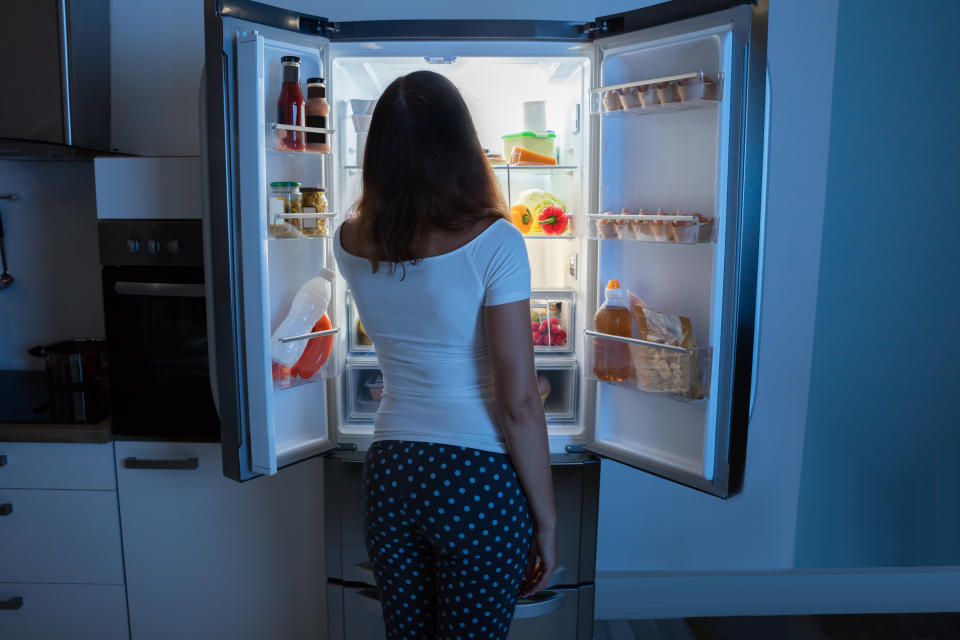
{"x": 542, "y": 561}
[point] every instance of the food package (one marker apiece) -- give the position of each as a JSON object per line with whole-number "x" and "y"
{"x": 665, "y": 370}
{"x": 548, "y": 324}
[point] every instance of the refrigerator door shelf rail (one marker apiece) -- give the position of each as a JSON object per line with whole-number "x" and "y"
{"x": 669, "y": 371}
{"x": 312, "y": 334}
{"x": 279, "y": 132}
{"x": 692, "y": 90}
{"x": 676, "y": 229}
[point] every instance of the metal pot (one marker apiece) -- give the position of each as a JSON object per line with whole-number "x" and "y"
{"x": 72, "y": 363}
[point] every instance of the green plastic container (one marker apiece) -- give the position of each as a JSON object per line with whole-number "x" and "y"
{"x": 539, "y": 142}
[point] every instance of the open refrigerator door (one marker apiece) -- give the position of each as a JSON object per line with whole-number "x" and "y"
{"x": 271, "y": 237}
{"x": 675, "y": 222}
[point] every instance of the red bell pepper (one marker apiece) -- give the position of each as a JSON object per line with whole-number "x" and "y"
{"x": 553, "y": 221}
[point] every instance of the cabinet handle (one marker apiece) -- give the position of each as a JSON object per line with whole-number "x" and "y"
{"x": 12, "y": 604}
{"x": 3, "y": 461}
{"x": 6, "y": 509}
{"x": 187, "y": 464}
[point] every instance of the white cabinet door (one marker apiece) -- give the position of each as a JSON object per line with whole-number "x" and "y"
{"x": 207, "y": 557}
{"x": 33, "y": 611}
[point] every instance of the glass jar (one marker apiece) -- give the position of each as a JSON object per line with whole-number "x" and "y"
{"x": 285, "y": 197}
{"x": 315, "y": 201}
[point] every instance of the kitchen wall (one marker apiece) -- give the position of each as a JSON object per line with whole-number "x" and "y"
{"x": 51, "y": 242}
{"x": 881, "y": 483}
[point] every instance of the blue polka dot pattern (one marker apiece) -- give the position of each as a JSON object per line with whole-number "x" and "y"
{"x": 448, "y": 534}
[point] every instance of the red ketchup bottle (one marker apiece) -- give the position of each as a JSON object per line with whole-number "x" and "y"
{"x": 291, "y": 106}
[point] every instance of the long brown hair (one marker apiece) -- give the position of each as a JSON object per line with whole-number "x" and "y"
{"x": 423, "y": 169}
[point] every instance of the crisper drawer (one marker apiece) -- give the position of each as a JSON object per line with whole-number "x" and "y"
{"x": 60, "y": 536}
{"x": 559, "y": 613}
{"x": 75, "y": 611}
{"x": 53, "y": 465}
{"x": 363, "y": 389}
{"x": 575, "y": 487}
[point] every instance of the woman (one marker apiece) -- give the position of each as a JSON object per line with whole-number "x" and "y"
{"x": 459, "y": 503}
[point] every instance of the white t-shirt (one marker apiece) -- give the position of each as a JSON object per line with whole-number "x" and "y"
{"x": 428, "y": 333}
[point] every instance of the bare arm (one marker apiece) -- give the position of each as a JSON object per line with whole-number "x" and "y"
{"x": 520, "y": 414}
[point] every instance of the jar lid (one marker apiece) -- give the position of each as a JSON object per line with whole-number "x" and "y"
{"x": 284, "y": 184}
{"x": 312, "y": 189}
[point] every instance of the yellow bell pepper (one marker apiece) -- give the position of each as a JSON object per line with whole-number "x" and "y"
{"x": 521, "y": 217}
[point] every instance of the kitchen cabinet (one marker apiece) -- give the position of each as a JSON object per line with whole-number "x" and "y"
{"x": 207, "y": 557}
{"x": 61, "y": 563}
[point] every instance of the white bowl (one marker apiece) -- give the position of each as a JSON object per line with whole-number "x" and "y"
{"x": 361, "y": 107}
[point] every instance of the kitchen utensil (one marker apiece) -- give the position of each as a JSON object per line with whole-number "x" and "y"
{"x": 361, "y": 107}
{"x": 5, "y": 278}
{"x": 535, "y": 115}
{"x": 72, "y": 362}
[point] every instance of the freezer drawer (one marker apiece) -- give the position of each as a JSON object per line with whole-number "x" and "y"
{"x": 575, "y": 485}
{"x": 560, "y": 613}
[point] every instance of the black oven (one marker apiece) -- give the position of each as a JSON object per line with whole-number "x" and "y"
{"x": 156, "y": 328}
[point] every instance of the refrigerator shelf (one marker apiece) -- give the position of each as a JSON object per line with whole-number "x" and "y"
{"x": 279, "y": 133}
{"x": 674, "y": 228}
{"x": 300, "y": 226}
{"x": 665, "y": 370}
{"x": 330, "y": 369}
{"x": 692, "y": 90}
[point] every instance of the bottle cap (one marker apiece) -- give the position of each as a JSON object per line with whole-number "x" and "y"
{"x": 314, "y": 80}
{"x": 613, "y": 284}
{"x": 293, "y": 59}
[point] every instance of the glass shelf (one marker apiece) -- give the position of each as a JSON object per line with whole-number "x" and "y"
{"x": 321, "y": 359}
{"x": 672, "y": 372}
{"x": 287, "y": 136}
{"x": 505, "y": 168}
{"x": 675, "y": 228}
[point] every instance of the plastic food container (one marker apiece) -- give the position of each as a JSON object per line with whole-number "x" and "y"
{"x": 542, "y": 142}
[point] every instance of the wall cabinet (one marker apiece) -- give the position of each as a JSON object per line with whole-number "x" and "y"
{"x": 207, "y": 557}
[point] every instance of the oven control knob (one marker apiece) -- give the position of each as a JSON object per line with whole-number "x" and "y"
{"x": 153, "y": 246}
{"x": 173, "y": 246}
{"x": 133, "y": 246}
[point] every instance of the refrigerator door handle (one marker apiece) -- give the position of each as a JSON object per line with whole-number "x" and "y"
{"x": 539, "y": 604}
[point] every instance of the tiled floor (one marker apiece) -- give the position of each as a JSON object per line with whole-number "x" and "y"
{"x": 917, "y": 626}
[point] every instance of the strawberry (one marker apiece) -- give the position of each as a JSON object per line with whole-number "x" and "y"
{"x": 555, "y": 321}
{"x": 558, "y": 340}
{"x": 534, "y": 326}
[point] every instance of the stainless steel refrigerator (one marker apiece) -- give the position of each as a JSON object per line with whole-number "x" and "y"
{"x": 657, "y": 122}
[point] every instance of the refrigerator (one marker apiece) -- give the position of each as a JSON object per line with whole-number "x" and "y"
{"x": 659, "y": 109}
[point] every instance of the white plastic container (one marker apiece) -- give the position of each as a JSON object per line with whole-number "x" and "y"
{"x": 308, "y": 306}
{"x": 535, "y": 115}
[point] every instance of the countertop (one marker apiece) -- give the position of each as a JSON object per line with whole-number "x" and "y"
{"x": 97, "y": 433}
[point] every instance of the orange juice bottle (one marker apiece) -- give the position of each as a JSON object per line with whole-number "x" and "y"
{"x": 611, "y": 358}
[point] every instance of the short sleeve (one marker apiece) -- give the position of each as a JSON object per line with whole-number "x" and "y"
{"x": 506, "y": 275}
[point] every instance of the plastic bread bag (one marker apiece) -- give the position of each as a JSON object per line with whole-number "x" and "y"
{"x": 665, "y": 370}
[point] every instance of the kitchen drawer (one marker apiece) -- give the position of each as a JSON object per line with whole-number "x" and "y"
{"x": 560, "y": 614}
{"x": 74, "y": 611}
{"x": 52, "y": 465}
{"x": 60, "y": 536}
{"x": 575, "y": 491}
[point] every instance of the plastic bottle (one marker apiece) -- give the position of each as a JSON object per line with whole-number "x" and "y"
{"x": 611, "y": 358}
{"x": 308, "y": 306}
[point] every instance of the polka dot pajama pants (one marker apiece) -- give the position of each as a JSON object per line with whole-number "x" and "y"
{"x": 448, "y": 534}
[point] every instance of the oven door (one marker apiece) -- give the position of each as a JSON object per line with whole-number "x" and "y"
{"x": 157, "y": 348}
